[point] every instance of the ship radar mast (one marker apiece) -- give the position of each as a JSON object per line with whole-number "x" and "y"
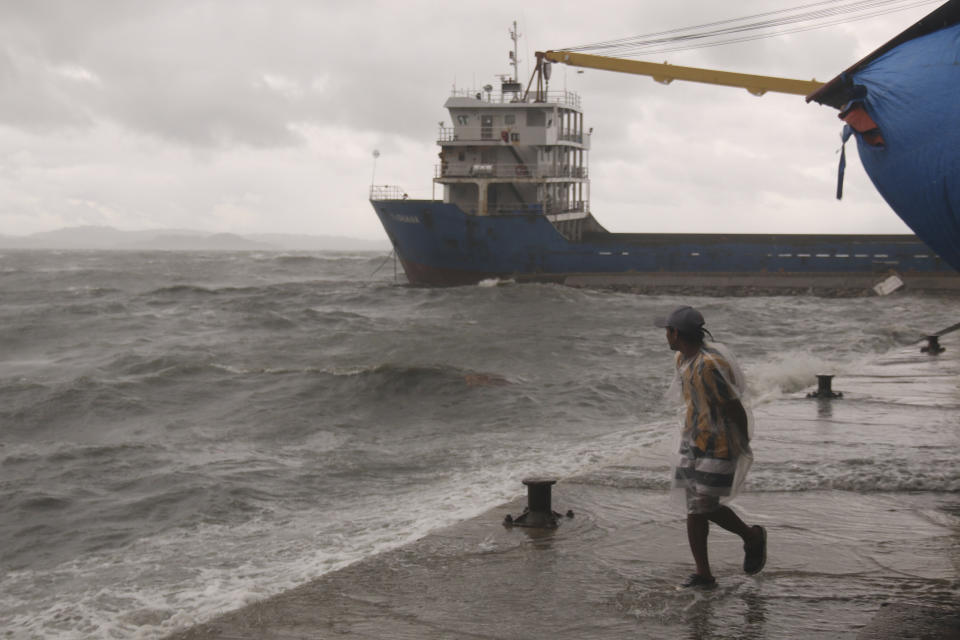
{"x": 514, "y": 60}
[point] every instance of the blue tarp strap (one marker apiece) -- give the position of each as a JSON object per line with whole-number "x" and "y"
{"x": 847, "y": 132}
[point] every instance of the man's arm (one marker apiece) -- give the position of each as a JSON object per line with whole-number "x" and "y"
{"x": 735, "y": 414}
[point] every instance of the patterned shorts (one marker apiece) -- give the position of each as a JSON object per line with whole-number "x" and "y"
{"x": 698, "y": 503}
{"x": 706, "y": 480}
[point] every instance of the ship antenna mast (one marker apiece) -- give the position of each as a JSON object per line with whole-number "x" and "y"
{"x": 515, "y": 36}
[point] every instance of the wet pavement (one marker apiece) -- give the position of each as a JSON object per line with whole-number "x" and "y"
{"x": 842, "y": 563}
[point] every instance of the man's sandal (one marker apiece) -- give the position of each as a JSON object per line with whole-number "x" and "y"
{"x": 755, "y": 555}
{"x": 697, "y": 580}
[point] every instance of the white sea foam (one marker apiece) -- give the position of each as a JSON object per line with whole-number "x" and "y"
{"x": 182, "y": 577}
{"x": 787, "y": 373}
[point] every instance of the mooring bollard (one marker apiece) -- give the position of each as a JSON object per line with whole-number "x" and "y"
{"x": 539, "y": 512}
{"x": 823, "y": 388}
{"x": 933, "y": 346}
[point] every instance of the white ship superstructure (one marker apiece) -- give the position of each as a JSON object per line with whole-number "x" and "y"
{"x": 517, "y": 151}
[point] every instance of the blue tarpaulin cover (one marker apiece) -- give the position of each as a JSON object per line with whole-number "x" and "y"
{"x": 913, "y": 95}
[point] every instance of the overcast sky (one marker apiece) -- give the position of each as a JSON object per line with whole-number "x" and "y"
{"x": 262, "y": 116}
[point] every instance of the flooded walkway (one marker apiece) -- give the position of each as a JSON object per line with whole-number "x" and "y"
{"x": 837, "y": 556}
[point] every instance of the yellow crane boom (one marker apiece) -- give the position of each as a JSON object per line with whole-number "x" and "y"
{"x": 667, "y": 73}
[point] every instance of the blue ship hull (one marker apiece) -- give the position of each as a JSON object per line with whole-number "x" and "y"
{"x": 439, "y": 244}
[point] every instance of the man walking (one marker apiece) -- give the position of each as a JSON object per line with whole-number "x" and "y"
{"x": 715, "y": 442}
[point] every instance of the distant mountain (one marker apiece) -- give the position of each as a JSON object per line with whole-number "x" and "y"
{"x": 213, "y": 242}
{"x": 89, "y": 237}
{"x": 108, "y": 238}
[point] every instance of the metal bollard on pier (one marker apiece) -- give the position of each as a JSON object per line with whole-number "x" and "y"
{"x": 824, "y": 389}
{"x": 933, "y": 346}
{"x": 539, "y": 512}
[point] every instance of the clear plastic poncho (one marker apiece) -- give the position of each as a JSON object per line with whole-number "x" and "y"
{"x": 712, "y": 453}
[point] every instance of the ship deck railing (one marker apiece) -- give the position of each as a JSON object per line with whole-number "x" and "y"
{"x": 387, "y": 192}
{"x": 549, "y": 209}
{"x": 489, "y": 135}
{"x": 515, "y": 209}
{"x": 564, "y": 97}
{"x": 506, "y": 170}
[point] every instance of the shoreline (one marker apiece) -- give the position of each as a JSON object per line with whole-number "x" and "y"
{"x": 479, "y": 579}
{"x": 841, "y": 563}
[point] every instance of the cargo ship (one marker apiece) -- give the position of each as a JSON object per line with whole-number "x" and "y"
{"x": 515, "y": 206}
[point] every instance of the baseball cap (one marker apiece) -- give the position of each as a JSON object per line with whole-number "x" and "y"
{"x": 684, "y": 319}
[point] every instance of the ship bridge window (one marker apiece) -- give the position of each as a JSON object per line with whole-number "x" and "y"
{"x": 509, "y": 118}
{"x": 536, "y": 118}
{"x": 486, "y": 127}
{"x": 463, "y": 119}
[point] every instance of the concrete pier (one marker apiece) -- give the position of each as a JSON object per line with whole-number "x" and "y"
{"x": 613, "y": 571}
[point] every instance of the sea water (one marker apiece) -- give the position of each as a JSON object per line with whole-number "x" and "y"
{"x": 184, "y": 433}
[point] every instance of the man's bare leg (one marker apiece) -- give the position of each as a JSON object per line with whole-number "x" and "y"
{"x": 698, "y": 527}
{"x": 729, "y": 520}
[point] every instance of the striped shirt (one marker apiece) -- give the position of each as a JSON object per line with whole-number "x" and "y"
{"x": 708, "y": 457}
{"x": 705, "y": 391}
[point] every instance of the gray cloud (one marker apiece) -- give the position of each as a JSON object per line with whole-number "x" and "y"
{"x": 177, "y": 112}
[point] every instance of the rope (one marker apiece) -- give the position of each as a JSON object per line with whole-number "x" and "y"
{"x": 942, "y": 332}
{"x": 722, "y": 32}
{"x": 947, "y": 330}
{"x": 389, "y": 255}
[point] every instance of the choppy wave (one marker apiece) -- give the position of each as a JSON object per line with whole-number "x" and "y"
{"x": 787, "y": 373}
{"x": 182, "y": 433}
{"x": 334, "y": 259}
{"x": 179, "y": 290}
